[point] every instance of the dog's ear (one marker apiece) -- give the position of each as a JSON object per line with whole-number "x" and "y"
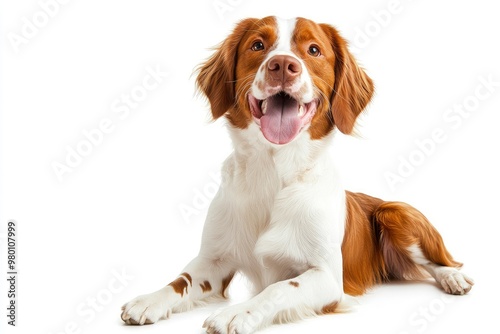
{"x": 353, "y": 88}
{"x": 216, "y": 77}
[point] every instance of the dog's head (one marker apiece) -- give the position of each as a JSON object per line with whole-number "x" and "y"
{"x": 287, "y": 77}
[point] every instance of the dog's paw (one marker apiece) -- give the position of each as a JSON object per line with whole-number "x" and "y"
{"x": 233, "y": 320}
{"x": 146, "y": 309}
{"x": 455, "y": 282}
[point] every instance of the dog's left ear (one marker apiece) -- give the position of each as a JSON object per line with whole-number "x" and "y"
{"x": 216, "y": 77}
{"x": 353, "y": 88}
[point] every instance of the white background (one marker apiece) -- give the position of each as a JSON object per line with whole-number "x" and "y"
{"x": 120, "y": 208}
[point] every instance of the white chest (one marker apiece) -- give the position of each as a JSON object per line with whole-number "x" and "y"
{"x": 274, "y": 209}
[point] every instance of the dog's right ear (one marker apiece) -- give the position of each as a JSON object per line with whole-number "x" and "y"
{"x": 216, "y": 77}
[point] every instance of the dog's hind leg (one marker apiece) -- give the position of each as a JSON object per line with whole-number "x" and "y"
{"x": 451, "y": 279}
{"x": 409, "y": 242}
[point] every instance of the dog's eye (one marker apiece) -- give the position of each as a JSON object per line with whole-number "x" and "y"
{"x": 314, "y": 51}
{"x": 257, "y": 46}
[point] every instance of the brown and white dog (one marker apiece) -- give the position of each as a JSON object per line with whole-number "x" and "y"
{"x": 281, "y": 216}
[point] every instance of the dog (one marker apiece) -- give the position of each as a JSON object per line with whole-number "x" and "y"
{"x": 281, "y": 216}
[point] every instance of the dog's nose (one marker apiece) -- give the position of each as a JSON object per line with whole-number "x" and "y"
{"x": 283, "y": 68}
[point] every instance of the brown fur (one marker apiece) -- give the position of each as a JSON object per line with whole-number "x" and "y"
{"x": 353, "y": 89}
{"x": 376, "y": 240}
{"x": 180, "y": 285}
{"x": 225, "y": 284}
{"x": 330, "y": 308}
{"x": 219, "y": 77}
{"x": 362, "y": 259}
{"x": 206, "y": 286}
{"x": 186, "y": 275}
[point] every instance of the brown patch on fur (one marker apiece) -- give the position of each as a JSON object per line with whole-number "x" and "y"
{"x": 295, "y": 284}
{"x": 363, "y": 263}
{"x": 180, "y": 286}
{"x": 188, "y": 278}
{"x": 403, "y": 226}
{"x": 206, "y": 287}
{"x": 330, "y": 308}
{"x": 321, "y": 69}
{"x": 225, "y": 284}
{"x": 376, "y": 241}
{"x": 216, "y": 77}
{"x": 225, "y": 77}
{"x": 353, "y": 88}
{"x": 345, "y": 87}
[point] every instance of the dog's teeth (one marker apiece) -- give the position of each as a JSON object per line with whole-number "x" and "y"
{"x": 301, "y": 111}
{"x": 263, "y": 107}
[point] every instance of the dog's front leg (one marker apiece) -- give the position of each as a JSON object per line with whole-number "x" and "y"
{"x": 202, "y": 278}
{"x": 314, "y": 291}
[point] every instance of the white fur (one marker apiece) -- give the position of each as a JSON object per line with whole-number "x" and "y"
{"x": 285, "y": 33}
{"x": 278, "y": 217}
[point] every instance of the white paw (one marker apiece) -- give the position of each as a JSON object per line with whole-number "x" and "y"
{"x": 454, "y": 282}
{"x": 233, "y": 320}
{"x": 146, "y": 309}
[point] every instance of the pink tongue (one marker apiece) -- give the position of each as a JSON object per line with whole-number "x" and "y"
{"x": 281, "y": 122}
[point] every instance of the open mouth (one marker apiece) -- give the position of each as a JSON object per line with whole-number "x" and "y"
{"x": 280, "y": 116}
